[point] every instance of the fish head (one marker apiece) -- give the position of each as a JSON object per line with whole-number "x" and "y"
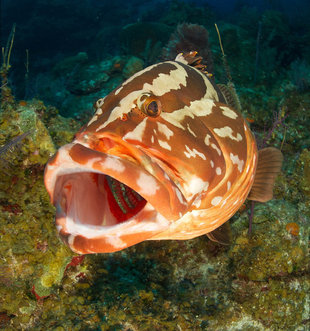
{"x": 155, "y": 118}
{"x": 146, "y": 159}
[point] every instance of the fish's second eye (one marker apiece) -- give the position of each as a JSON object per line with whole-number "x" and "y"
{"x": 149, "y": 105}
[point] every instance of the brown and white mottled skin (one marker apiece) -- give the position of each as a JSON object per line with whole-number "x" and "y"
{"x": 194, "y": 162}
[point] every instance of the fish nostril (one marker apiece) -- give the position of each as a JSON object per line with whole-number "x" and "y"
{"x": 117, "y": 148}
{"x": 103, "y": 144}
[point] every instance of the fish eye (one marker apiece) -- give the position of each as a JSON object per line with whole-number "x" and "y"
{"x": 149, "y": 105}
{"x": 152, "y": 108}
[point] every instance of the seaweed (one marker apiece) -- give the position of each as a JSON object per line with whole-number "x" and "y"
{"x": 187, "y": 38}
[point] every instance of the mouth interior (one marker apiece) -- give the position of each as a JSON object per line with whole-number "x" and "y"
{"x": 98, "y": 199}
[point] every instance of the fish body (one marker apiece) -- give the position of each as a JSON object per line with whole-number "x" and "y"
{"x": 164, "y": 157}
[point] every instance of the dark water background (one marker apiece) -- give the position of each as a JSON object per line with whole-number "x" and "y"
{"x": 53, "y": 30}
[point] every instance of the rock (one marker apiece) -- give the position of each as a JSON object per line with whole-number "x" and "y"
{"x": 133, "y": 65}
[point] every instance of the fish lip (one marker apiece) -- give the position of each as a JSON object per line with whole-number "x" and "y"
{"x": 86, "y": 239}
{"x": 167, "y": 205}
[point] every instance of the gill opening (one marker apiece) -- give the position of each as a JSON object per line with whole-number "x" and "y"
{"x": 124, "y": 202}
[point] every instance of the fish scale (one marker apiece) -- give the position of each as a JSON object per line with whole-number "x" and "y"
{"x": 176, "y": 159}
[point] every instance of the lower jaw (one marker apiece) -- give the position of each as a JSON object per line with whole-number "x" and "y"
{"x": 86, "y": 239}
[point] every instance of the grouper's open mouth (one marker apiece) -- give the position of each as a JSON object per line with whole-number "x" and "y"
{"x": 106, "y": 202}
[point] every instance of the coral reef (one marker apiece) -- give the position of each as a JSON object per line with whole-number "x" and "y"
{"x": 75, "y": 83}
{"x": 31, "y": 255}
{"x": 133, "y": 65}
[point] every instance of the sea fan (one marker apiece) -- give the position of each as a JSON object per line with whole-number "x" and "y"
{"x": 187, "y": 38}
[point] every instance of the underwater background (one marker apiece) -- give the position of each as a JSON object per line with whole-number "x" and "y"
{"x": 58, "y": 58}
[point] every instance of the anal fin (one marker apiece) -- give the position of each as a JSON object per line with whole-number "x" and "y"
{"x": 269, "y": 165}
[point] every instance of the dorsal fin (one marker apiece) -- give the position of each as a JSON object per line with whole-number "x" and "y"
{"x": 269, "y": 165}
{"x": 221, "y": 235}
{"x": 193, "y": 60}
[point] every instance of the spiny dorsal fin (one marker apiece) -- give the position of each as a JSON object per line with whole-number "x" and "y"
{"x": 221, "y": 235}
{"x": 192, "y": 59}
{"x": 269, "y": 165}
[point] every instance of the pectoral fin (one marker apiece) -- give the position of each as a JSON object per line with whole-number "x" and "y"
{"x": 221, "y": 235}
{"x": 269, "y": 165}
